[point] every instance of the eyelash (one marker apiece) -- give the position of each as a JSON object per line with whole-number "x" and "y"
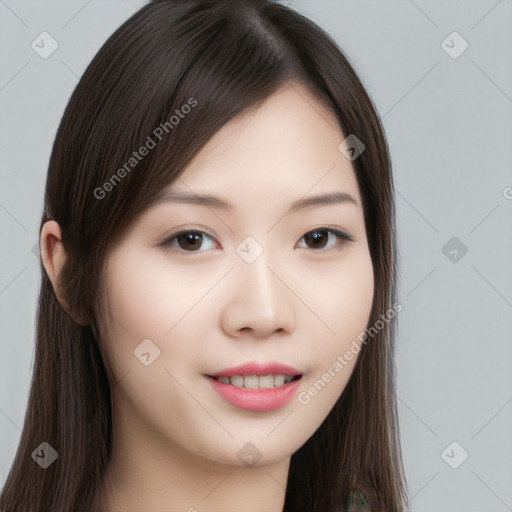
{"x": 167, "y": 243}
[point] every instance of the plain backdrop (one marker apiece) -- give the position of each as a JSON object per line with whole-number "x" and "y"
{"x": 446, "y": 103}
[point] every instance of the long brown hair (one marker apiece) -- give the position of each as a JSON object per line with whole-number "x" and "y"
{"x": 221, "y": 59}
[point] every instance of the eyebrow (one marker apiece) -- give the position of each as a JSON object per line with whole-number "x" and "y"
{"x": 179, "y": 196}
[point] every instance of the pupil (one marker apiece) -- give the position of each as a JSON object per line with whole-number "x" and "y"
{"x": 315, "y": 238}
{"x": 191, "y": 237}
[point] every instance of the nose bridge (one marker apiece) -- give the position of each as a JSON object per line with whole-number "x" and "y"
{"x": 261, "y": 283}
{"x": 254, "y": 263}
{"x": 259, "y": 300}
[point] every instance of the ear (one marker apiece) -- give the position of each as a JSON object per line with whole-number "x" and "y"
{"x": 54, "y": 257}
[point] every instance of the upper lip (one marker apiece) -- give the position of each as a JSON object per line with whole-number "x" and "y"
{"x": 255, "y": 368}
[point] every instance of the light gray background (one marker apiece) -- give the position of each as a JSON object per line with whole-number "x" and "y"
{"x": 449, "y": 126}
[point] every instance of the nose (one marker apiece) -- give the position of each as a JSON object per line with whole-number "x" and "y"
{"x": 258, "y": 301}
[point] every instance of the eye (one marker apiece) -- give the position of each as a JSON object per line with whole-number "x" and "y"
{"x": 188, "y": 241}
{"x": 318, "y": 237}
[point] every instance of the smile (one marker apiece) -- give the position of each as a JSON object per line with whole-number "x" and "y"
{"x": 257, "y": 381}
{"x": 256, "y": 398}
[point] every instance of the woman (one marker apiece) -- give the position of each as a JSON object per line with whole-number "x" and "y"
{"x": 216, "y": 312}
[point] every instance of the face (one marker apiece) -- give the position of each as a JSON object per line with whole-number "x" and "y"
{"x": 197, "y": 288}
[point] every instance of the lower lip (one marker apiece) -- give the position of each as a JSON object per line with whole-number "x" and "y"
{"x": 256, "y": 399}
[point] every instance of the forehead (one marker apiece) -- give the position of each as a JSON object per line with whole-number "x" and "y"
{"x": 288, "y": 148}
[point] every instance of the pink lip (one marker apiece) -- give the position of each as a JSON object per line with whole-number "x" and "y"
{"x": 255, "y": 368}
{"x": 256, "y": 399}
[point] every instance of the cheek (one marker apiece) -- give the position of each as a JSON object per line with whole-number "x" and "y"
{"x": 342, "y": 298}
{"x": 135, "y": 308}
{"x": 150, "y": 299}
{"x": 147, "y": 306}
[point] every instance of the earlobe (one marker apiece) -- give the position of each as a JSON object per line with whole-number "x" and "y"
{"x": 54, "y": 257}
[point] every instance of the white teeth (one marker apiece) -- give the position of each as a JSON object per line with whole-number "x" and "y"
{"x": 255, "y": 381}
{"x": 251, "y": 382}
{"x": 237, "y": 380}
{"x": 264, "y": 382}
{"x": 279, "y": 380}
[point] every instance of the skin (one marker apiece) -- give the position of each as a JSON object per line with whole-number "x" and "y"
{"x": 176, "y": 439}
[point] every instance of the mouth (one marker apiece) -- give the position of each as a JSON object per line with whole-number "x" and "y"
{"x": 258, "y": 375}
{"x": 259, "y": 393}
{"x": 269, "y": 381}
